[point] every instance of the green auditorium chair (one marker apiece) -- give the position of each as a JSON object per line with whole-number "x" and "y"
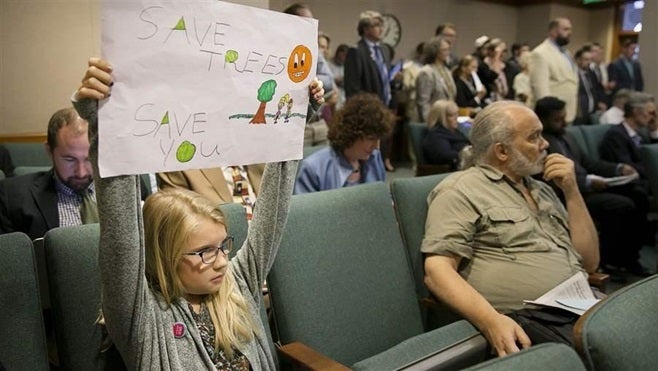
{"x": 341, "y": 284}
{"x": 541, "y": 357}
{"x": 593, "y": 135}
{"x": 577, "y": 135}
{"x": 22, "y": 334}
{"x": 75, "y": 297}
{"x": 410, "y": 201}
{"x": 619, "y": 332}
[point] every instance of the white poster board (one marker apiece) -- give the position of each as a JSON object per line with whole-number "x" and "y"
{"x": 200, "y": 84}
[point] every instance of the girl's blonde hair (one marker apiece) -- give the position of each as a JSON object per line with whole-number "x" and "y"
{"x": 171, "y": 217}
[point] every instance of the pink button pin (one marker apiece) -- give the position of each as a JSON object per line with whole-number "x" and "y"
{"x": 179, "y": 330}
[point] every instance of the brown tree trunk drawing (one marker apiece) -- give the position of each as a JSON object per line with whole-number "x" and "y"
{"x": 259, "y": 117}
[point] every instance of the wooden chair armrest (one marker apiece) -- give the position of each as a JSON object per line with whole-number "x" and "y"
{"x": 304, "y": 357}
{"x": 599, "y": 280}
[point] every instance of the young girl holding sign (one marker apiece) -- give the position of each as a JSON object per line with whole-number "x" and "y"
{"x": 171, "y": 298}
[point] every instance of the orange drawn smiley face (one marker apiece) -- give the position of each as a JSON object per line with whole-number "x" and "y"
{"x": 299, "y": 63}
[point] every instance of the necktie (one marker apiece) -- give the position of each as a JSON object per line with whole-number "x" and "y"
{"x": 241, "y": 191}
{"x": 637, "y": 140}
{"x": 383, "y": 74}
{"x": 588, "y": 89}
{"x": 88, "y": 208}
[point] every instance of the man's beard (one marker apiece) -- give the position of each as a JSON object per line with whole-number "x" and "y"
{"x": 77, "y": 184}
{"x": 521, "y": 166}
{"x": 561, "y": 41}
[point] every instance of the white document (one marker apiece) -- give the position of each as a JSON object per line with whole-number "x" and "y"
{"x": 573, "y": 295}
{"x": 616, "y": 181}
{"x": 203, "y": 83}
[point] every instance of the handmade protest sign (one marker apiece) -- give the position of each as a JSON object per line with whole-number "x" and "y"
{"x": 201, "y": 84}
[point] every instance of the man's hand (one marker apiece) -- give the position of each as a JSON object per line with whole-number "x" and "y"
{"x": 505, "y": 335}
{"x": 626, "y": 169}
{"x": 598, "y": 184}
{"x": 560, "y": 170}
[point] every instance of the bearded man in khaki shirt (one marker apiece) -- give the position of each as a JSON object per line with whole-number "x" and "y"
{"x": 494, "y": 236}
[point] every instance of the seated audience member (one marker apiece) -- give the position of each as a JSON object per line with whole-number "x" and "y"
{"x": 443, "y": 141}
{"x": 240, "y": 184}
{"x": 64, "y": 195}
{"x": 467, "y": 94}
{"x": 619, "y": 212}
{"x": 353, "y": 156}
{"x": 434, "y": 80}
{"x": 615, "y": 114}
{"x": 521, "y": 83}
{"x": 6, "y": 165}
{"x": 494, "y": 236}
{"x": 622, "y": 142}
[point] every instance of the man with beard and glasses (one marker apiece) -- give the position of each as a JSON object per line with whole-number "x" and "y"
{"x": 494, "y": 236}
{"x": 64, "y": 195}
{"x": 553, "y": 71}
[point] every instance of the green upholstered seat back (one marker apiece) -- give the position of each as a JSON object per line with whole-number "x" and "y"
{"x": 619, "y": 333}
{"x": 577, "y": 135}
{"x": 22, "y": 335}
{"x": 417, "y": 131}
{"x": 75, "y": 296}
{"x": 341, "y": 282}
{"x": 593, "y": 135}
{"x": 547, "y": 356}
{"x": 28, "y": 154}
{"x": 22, "y": 170}
{"x": 410, "y": 200}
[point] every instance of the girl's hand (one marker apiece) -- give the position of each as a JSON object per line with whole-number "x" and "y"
{"x": 97, "y": 82}
{"x": 316, "y": 92}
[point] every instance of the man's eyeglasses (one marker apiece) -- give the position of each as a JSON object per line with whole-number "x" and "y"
{"x": 209, "y": 254}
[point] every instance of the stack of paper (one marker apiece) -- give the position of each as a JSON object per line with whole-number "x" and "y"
{"x": 573, "y": 295}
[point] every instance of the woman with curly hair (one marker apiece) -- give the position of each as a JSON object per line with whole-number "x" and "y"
{"x": 353, "y": 156}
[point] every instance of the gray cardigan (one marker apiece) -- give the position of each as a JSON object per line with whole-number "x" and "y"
{"x": 138, "y": 320}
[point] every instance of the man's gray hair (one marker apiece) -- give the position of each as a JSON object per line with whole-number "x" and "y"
{"x": 432, "y": 48}
{"x": 492, "y": 125}
{"x": 635, "y": 100}
{"x": 366, "y": 19}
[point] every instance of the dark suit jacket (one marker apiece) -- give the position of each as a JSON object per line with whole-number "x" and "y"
{"x": 361, "y": 72}
{"x": 6, "y": 165}
{"x": 28, "y": 204}
{"x": 617, "y": 72}
{"x": 566, "y": 146}
{"x": 465, "y": 97}
{"x": 598, "y": 94}
{"x": 618, "y": 146}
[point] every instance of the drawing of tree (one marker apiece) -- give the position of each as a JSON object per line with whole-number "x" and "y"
{"x": 265, "y": 94}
